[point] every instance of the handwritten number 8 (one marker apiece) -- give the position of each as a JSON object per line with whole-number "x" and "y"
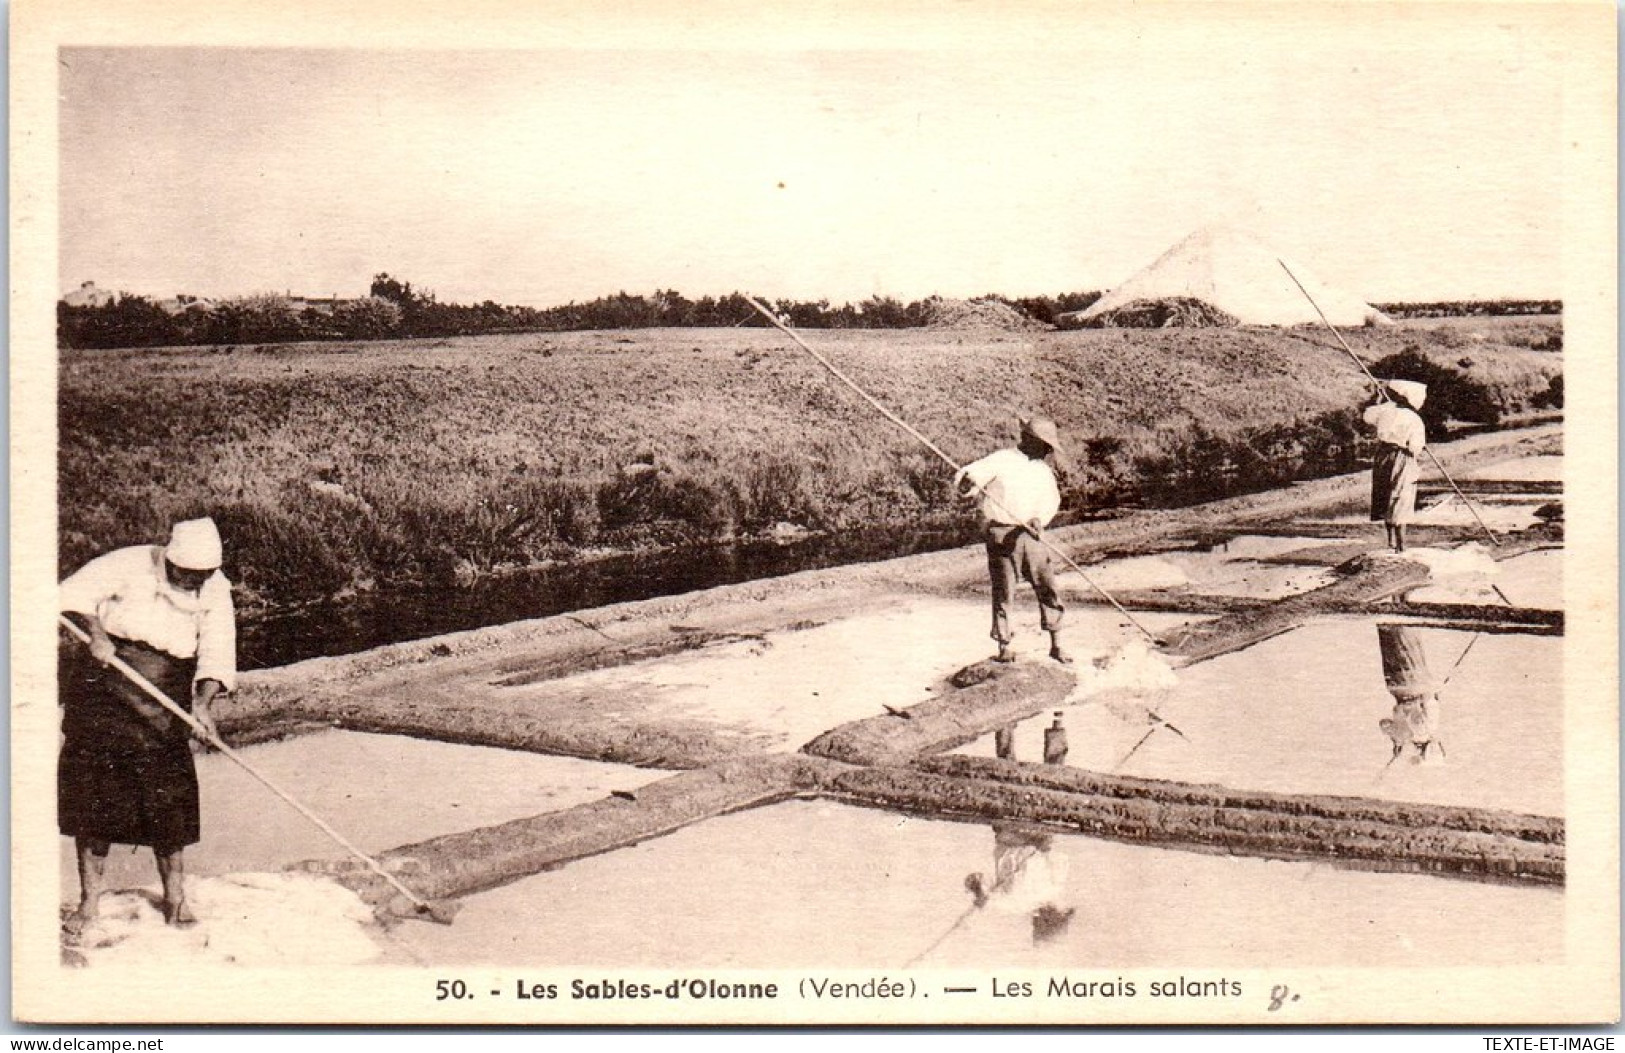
{"x": 1278, "y": 996}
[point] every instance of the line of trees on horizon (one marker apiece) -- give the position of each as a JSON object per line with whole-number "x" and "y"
{"x": 1468, "y": 308}
{"x": 393, "y": 309}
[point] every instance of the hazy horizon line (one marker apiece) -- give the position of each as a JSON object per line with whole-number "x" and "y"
{"x": 623, "y": 291}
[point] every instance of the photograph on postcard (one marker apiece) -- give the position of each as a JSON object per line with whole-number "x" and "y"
{"x": 1069, "y": 518}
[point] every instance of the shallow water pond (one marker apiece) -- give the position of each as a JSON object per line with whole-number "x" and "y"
{"x": 779, "y": 692}
{"x": 1534, "y": 579}
{"x": 819, "y": 884}
{"x": 1543, "y": 468}
{"x": 378, "y": 791}
{"x": 1500, "y": 514}
{"x": 1300, "y": 714}
{"x": 1230, "y": 568}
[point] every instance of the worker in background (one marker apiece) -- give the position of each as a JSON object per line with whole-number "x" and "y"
{"x": 125, "y": 774}
{"x": 1019, "y": 498}
{"x": 1401, "y": 438}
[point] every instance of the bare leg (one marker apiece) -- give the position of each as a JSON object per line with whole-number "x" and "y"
{"x": 1050, "y": 610}
{"x": 92, "y": 855}
{"x": 172, "y": 873}
{"x": 1399, "y": 537}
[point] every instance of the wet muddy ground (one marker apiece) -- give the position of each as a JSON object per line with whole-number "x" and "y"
{"x": 759, "y": 670}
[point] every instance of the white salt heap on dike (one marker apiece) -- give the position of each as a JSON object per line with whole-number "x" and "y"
{"x": 248, "y": 919}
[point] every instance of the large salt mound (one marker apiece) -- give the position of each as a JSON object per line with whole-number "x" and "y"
{"x": 1227, "y": 272}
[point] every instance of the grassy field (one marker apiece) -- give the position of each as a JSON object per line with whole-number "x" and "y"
{"x": 336, "y": 468}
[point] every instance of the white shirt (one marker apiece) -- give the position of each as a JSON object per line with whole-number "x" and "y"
{"x": 129, "y": 593}
{"x": 1015, "y": 488}
{"x": 1398, "y": 426}
{"x": 1026, "y": 878}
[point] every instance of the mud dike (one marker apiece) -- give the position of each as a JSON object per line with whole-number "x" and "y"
{"x": 520, "y": 687}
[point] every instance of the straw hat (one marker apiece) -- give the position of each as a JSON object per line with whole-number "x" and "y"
{"x": 1410, "y": 391}
{"x": 194, "y": 545}
{"x": 1044, "y": 431}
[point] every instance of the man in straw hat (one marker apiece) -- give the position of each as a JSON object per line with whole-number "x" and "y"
{"x": 1019, "y": 498}
{"x": 1401, "y": 437}
{"x": 125, "y": 773}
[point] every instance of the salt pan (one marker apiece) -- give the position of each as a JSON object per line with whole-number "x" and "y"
{"x": 1143, "y": 572}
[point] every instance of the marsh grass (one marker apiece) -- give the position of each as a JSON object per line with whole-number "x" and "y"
{"x": 341, "y": 468}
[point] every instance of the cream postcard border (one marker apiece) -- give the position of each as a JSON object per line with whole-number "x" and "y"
{"x": 1584, "y": 989}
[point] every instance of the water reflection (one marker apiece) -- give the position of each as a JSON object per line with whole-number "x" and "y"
{"x": 1029, "y": 877}
{"x": 399, "y": 615}
{"x": 1413, "y": 727}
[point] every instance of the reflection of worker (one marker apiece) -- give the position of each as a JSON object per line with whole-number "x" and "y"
{"x": 125, "y": 774}
{"x": 1019, "y": 498}
{"x": 1414, "y": 724}
{"x": 1028, "y": 877}
{"x": 1055, "y": 744}
{"x": 1401, "y": 437}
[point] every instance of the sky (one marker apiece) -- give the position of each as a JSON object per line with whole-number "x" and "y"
{"x": 1403, "y": 158}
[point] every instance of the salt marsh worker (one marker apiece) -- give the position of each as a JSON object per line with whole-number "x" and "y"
{"x": 1401, "y": 437}
{"x": 1019, "y": 498}
{"x": 125, "y": 773}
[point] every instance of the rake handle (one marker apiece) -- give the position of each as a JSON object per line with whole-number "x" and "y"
{"x": 1383, "y": 395}
{"x": 218, "y": 743}
{"x": 1494, "y": 541}
{"x": 956, "y": 466}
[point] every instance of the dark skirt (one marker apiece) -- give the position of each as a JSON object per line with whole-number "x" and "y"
{"x": 125, "y": 774}
{"x": 1404, "y": 661}
{"x": 1394, "y": 475}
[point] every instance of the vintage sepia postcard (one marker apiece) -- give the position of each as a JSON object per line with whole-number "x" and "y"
{"x": 762, "y": 513}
